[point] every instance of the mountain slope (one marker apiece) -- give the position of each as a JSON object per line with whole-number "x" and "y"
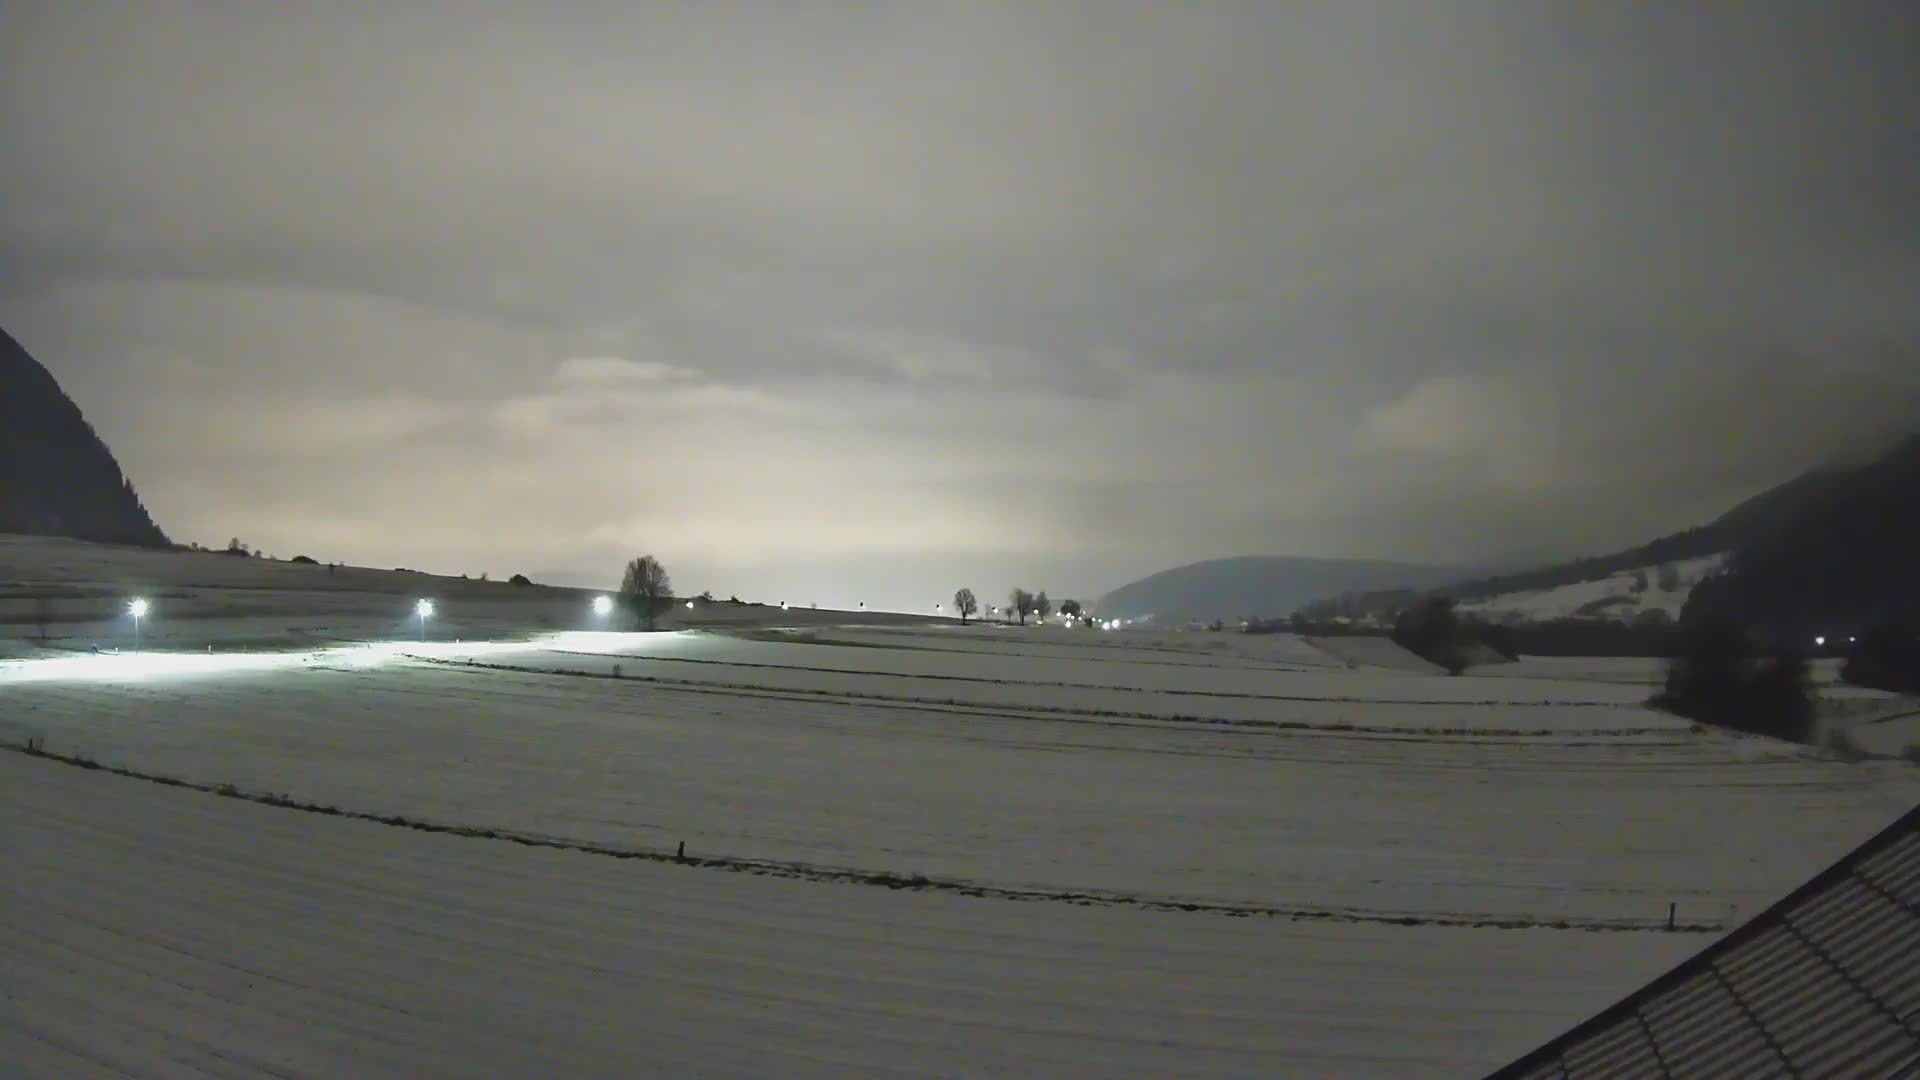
{"x": 1835, "y": 547}
{"x": 56, "y": 477}
{"x": 1843, "y": 554}
{"x": 1764, "y": 515}
{"x": 1259, "y": 585}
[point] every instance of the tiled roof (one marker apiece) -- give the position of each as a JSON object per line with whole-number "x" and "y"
{"x": 1826, "y": 983}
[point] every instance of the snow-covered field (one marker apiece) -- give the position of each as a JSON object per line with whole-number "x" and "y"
{"x": 968, "y": 850}
{"x": 150, "y": 931}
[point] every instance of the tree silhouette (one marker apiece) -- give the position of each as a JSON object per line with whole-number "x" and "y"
{"x": 1020, "y": 602}
{"x": 965, "y": 604}
{"x": 645, "y": 589}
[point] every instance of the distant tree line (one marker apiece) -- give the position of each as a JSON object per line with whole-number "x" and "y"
{"x": 1020, "y": 605}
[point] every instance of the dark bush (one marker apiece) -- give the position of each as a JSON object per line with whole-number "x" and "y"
{"x": 305, "y": 560}
{"x": 1717, "y": 679}
{"x": 1668, "y": 577}
{"x": 1887, "y": 656}
{"x": 1431, "y": 631}
{"x": 519, "y": 579}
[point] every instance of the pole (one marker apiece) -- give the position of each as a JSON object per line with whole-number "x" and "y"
{"x": 136, "y": 633}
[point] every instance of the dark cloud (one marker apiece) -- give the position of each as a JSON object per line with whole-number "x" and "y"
{"x": 783, "y": 291}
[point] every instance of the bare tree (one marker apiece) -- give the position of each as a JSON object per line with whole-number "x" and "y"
{"x": 646, "y": 590}
{"x": 965, "y": 604}
{"x": 1042, "y": 606}
{"x": 1020, "y": 602}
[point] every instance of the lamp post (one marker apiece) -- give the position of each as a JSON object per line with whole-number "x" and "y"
{"x": 602, "y": 606}
{"x": 137, "y": 608}
{"x": 423, "y": 609}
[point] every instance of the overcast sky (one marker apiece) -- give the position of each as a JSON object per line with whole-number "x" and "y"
{"x": 839, "y": 302}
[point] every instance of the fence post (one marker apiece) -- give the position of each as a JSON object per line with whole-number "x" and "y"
{"x": 1672, "y": 907}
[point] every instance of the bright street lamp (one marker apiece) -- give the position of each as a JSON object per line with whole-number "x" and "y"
{"x": 602, "y": 605}
{"x": 137, "y": 608}
{"x": 423, "y": 609}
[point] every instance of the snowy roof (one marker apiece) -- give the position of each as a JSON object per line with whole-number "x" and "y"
{"x": 1824, "y": 983}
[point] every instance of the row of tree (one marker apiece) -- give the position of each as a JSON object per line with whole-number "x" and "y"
{"x": 1020, "y": 604}
{"x": 646, "y": 591}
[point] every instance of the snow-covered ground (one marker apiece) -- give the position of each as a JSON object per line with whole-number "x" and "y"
{"x": 150, "y": 931}
{"x": 1620, "y": 597}
{"x": 1433, "y": 873}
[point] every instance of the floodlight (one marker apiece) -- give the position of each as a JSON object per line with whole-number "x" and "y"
{"x": 1820, "y": 641}
{"x": 423, "y": 609}
{"x": 689, "y": 605}
{"x": 602, "y": 605}
{"x": 136, "y": 608}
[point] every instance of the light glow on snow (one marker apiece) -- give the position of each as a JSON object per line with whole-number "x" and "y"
{"x": 131, "y": 667}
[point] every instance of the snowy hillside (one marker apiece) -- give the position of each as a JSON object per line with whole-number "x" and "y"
{"x": 1621, "y": 597}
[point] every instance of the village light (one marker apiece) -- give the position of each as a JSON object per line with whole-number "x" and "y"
{"x": 137, "y": 608}
{"x": 423, "y": 608}
{"x": 602, "y": 605}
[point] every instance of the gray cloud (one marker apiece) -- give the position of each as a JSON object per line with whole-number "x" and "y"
{"x": 785, "y": 291}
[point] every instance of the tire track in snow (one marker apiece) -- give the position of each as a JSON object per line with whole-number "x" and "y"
{"x": 802, "y": 871}
{"x": 1237, "y": 695}
{"x": 1043, "y": 712}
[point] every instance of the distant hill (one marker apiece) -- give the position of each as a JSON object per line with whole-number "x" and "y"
{"x": 56, "y": 477}
{"x": 1259, "y": 585}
